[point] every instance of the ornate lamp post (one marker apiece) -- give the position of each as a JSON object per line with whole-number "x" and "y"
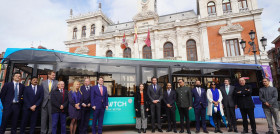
{"x": 252, "y": 44}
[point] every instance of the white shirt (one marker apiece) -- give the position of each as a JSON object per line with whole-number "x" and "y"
{"x": 87, "y": 88}
{"x": 198, "y": 91}
{"x": 16, "y": 83}
{"x": 168, "y": 91}
{"x": 34, "y": 87}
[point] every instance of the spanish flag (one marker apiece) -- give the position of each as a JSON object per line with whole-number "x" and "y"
{"x": 135, "y": 34}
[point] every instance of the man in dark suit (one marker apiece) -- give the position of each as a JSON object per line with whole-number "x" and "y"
{"x": 155, "y": 95}
{"x": 169, "y": 98}
{"x": 11, "y": 97}
{"x": 32, "y": 99}
{"x": 59, "y": 102}
{"x": 85, "y": 89}
{"x": 243, "y": 99}
{"x": 46, "y": 112}
{"x": 99, "y": 101}
{"x": 199, "y": 105}
{"x": 184, "y": 104}
{"x": 228, "y": 103}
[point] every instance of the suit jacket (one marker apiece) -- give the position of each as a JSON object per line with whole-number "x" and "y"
{"x": 7, "y": 94}
{"x": 158, "y": 95}
{"x": 244, "y": 99}
{"x": 184, "y": 97}
{"x": 137, "y": 103}
{"x": 228, "y": 99}
{"x": 85, "y": 96}
{"x": 47, "y": 94}
{"x": 30, "y": 98}
{"x": 58, "y": 99}
{"x": 170, "y": 99}
{"x": 98, "y": 100}
{"x": 199, "y": 101}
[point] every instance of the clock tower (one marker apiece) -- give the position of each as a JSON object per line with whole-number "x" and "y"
{"x": 147, "y": 5}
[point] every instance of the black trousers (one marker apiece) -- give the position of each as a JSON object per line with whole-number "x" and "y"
{"x": 250, "y": 113}
{"x": 230, "y": 115}
{"x": 184, "y": 114}
{"x": 217, "y": 119}
{"x": 156, "y": 108}
{"x": 13, "y": 114}
{"x": 170, "y": 112}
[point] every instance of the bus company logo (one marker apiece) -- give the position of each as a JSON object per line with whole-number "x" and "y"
{"x": 129, "y": 100}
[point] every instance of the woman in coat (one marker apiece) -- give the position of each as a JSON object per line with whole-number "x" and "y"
{"x": 141, "y": 104}
{"x": 215, "y": 108}
{"x": 75, "y": 98}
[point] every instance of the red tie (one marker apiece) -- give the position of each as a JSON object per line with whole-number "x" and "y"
{"x": 101, "y": 90}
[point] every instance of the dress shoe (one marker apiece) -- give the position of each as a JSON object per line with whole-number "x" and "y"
{"x": 244, "y": 132}
{"x": 175, "y": 131}
{"x": 254, "y": 132}
{"x": 189, "y": 132}
{"x": 153, "y": 131}
{"x": 220, "y": 131}
{"x": 197, "y": 131}
{"x": 168, "y": 130}
{"x": 144, "y": 130}
{"x": 235, "y": 130}
{"x": 269, "y": 132}
{"x": 181, "y": 131}
{"x": 159, "y": 130}
{"x": 205, "y": 131}
{"x": 230, "y": 130}
{"x": 139, "y": 130}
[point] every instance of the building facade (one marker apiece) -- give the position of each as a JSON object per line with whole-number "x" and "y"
{"x": 274, "y": 55}
{"x": 212, "y": 33}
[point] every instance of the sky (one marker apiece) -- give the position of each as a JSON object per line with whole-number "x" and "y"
{"x": 30, "y": 23}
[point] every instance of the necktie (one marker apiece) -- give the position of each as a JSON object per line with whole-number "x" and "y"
{"x": 16, "y": 93}
{"x": 168, "y": 92}
{"x": 199, "y": 91}
{"x": 101, "y": 90}
{"x": 227, "y": 89}
{"x": 155, "y": 90}
{"x": 34, "y": 90}
{"x": 50, "y": 86}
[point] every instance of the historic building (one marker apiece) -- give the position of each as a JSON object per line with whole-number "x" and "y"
{"x": 212, "y": 33}
{"x": 274, "y": 56}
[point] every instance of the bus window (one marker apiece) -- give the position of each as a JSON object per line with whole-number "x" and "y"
{"x": 162, "y": 75}
{"x": 147, "y": 74}
{"x": 42, "y": 71}
{"x": 185, "y": 70}
{"x": 26, "y": 71}
{"x": 189, "y": 81}
{"x": 81, "y": 79}
{"x": 218, "y": 80}
{"x": 225, "y": 72}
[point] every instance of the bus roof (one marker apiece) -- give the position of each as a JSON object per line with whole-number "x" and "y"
{"x": 32, "y": 54}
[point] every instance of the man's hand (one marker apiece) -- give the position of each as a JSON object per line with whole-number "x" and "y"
{"x": 93, "y": 107}
{"x": 190, "y": 108}
{"x": 77, "y": 106}
{"x": 235, "y": 106}
{"x": 33, "y": 108}
{"x": 147, "y": 109}
{"x": 88, "y": 105}
{"x": 168, "y": 105}
{"x": 239, "y": 92}
{"x": 267, "y": 104}
{"x": 136, "y": 109}
{"x": 155, "y": 101}
{"x": 106, "y": 107}
{"x": 61, "y": 107}
{"x": 84, "y": 105}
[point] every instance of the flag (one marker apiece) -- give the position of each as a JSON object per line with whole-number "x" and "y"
{"x": 135, "y": 34}
{"x": 124, "y": 43}
{"x": 148, "y": 40}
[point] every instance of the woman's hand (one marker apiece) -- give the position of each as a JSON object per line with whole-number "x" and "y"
{"x": 147, "y": 109}
{"x": 136, "y": 109}
{"x": 77, "y": 106}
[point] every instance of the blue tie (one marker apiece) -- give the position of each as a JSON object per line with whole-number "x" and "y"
{"x": 16, "y": 93}
{"x": 34, "y": 90}
{"x": 155, "y": 90}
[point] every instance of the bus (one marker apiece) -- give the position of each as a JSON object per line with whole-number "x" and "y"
{"x": 123, "y": 75}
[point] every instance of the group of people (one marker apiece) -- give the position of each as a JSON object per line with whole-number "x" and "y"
{"x": 220, "y": 104}
{"x": 55, "y": 103}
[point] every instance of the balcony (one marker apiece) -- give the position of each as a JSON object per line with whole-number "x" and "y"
{"x": 227, "y": 12}
{"x": 243, "y": 9}
{"x": 212, "y": 14}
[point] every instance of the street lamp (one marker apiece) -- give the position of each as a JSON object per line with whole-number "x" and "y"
{"x": 252, "y": 44}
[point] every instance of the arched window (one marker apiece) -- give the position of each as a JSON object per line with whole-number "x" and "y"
{"x": 127, "y": 53}
{"x": 211, "y": 8}
{"x": 109, "y": 53}
{"x": 84, "y": 28}
{"x": 147, "y": 52}
{"x": 92, "y": 29}
{"x": 191, "y": 50}
{"x": 242, "y": 4}
{"x": 75, "y": 33}
{"x": 103, "y": 29}
{"x": 226, "y": 6}
{"x": 168, "y": 50}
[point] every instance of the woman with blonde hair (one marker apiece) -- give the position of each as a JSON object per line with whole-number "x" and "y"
{"x": 75, "y": 98}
